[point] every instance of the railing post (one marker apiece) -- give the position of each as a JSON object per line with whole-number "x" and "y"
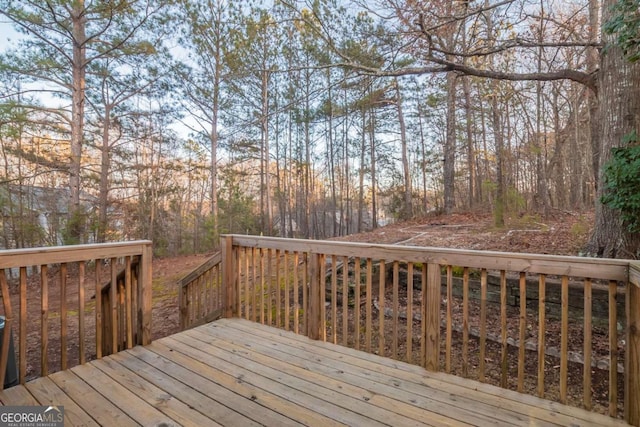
{"x": 146, "y": 285}
{"x": 632, "y": 353}
{"x": 8, "y": 322}
{"x": 315, "y": 299}
{"x": 229, "y": 262}
{"x": 432, "y": 316}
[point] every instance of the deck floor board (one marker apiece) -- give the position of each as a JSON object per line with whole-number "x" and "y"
{"x": 234, "y": 372}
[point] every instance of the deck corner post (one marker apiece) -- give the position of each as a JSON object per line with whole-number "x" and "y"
{"x": 432, "y": 316}
{"x": 632, "y": 356}
{"x": 146, "y": 300}
{"x": 314, "y": 310}
{"x": 229, "y": 261}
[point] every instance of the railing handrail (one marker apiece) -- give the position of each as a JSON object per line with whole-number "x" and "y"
{"x": 210, "y": 262}
{"x": 14, "y": 258}
{"x": 594, "y": 268}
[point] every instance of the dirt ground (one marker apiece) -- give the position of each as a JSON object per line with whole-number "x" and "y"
{"x": 561, "y": 233}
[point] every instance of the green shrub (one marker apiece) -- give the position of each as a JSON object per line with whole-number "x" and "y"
{"x": 622, "y": 181}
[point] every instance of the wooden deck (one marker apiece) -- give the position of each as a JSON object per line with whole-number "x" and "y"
{"x": 238, "y": 373}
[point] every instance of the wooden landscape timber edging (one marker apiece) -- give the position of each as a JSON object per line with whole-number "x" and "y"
{"x": 292, "y": 284}
{"x": 58, "y": 286}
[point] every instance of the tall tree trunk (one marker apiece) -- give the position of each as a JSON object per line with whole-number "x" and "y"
{"x": 594, "y": 105}
{"x": 423, "y": 153}
{"x": 75, "y": 225}
{"x": 267, "y": 213}
{"x": 105, "y": 163}
{"x": 363, "y": 151}
{"x": 331, "y": 158}
{"x": 450, "y": 145}
{"x": 407, "y": 209}
{"x": 471, "y": 162}
{"x": 499, "y": 143}
{"x": 619, "y": 102}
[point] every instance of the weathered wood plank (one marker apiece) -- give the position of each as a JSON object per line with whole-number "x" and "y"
{"x": 235, "y": 372}
{"x": 282, "y": 386}
{"x": 127, "y": 401}
{"x": 157, "y": 398}
{"x": 46, "y": 392}
{"x": 197, "y": 392}
{"x": 101, "y": 409}
{"x": 532, "y": 406}
{"x": 280, "y": 368}
{"x": 407, "y": 400}
{"x": 17, "y": 396}
{"x": 279, "y": 402}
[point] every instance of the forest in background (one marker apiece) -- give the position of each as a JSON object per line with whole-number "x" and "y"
{"x": 178, "y": 121}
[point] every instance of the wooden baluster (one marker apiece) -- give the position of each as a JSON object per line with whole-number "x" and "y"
{"x": 504, "y": 349}
{"x": 586, "y": 372}
{"x": 128, "y": 302}
{"x": 287, "y": 301}
{"x": 270, "y": 287}
{"x": 63, "y": 317}
{"x": 613, "y": 349}
{"x": 81, "y": 304}
{"x": 523, "y": 330}
{"x": 396, "y": 308}
{"x": 322, "y": 297}
{"x": 483, "y": 324}
{"x": 541, "y": 332}
{"x": 465, "y": 322}
{"x": 278, "y": 290}
{"x": 449, "y": 315}
{"x": 432, "y": 315}
{"x": 305, "y": 289}
{"x": 334, "y": 298}
{"x": 369, "y": 308}
{"x": 8, "y": 324}
{"x": 423, "y": 322}
{"x": 564, "y": 339}
{"x": 113, "y": 296}
{"x": 23, "y": 324}
{"x": 381, "y": 300}
{"x": 44, "y": 320}
{"x": 357, "y": 282}
{"x": 99, "y": 319}
{"x": 409, "y": 312}
{"x": 262, "y": 287}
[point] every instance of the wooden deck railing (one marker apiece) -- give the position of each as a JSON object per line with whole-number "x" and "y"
{"x": 102, "y": 290}
{"x": 562, "y": 328}
{"x": 200, "y": 294}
